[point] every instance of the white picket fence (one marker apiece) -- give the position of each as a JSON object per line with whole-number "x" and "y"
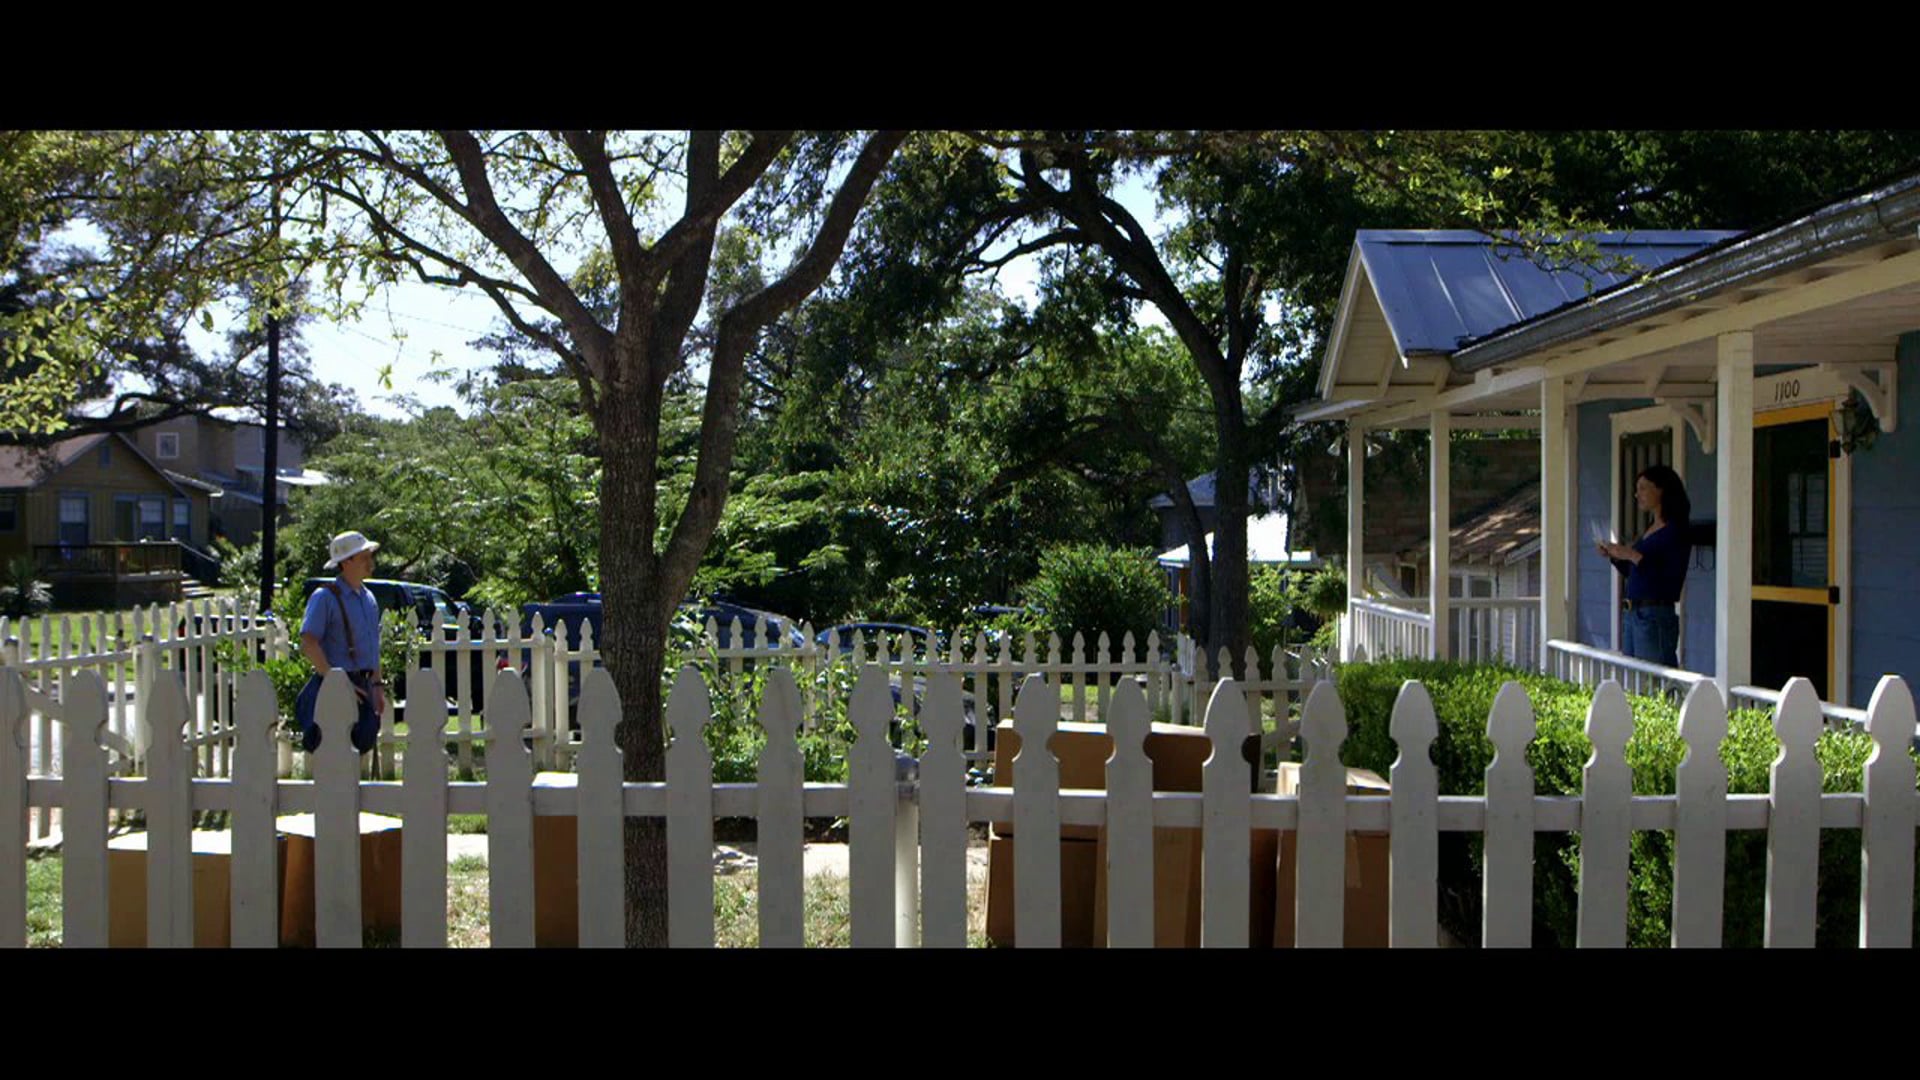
{"x": 186, "y": 638}
{"x": 909, "y": 836}
{"x": 122, "y": 648}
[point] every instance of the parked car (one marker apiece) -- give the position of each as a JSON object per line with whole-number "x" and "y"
{"x": 754, "y": 626}
{"x": 566, "y": 614}
{"x": 847, "y": 636}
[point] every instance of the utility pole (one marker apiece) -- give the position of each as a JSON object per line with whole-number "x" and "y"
{"x": 270, "y": 467}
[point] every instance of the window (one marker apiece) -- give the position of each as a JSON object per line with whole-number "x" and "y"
{"x": 9, "y": 513}
{"x": 1637, "y": 452}
{"x": 106, "y": 452}
{"x": 139, "y": 517}
{"x": 167, "y": 445}
{"x": 153, "y": 518}
{"x": 73, "y": 519}
{"x": 183, "y": 521}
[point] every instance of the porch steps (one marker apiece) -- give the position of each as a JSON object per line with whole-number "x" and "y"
{"x": 192, "y": 589}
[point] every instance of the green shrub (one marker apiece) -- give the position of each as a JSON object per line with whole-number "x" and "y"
{"x": 22, "y": 593}
{"x": 1463, "y": 696}
{"x": 1270, "y": 608}
{"x": 734, "y": 736}
{"x": 1089, "y": 588}
{"x": 1325, "y": 593}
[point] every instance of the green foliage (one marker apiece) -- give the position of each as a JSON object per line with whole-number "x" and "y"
{"x": 1463, "y": 696}
{"x": 240, "y": 564}
{"x": 1325, "y": 593}
{"x": 22, "y": 593}
{"x": 1278, "y": 607}
{"x": 1089, "y": 588}
{"x": 501, "y": 502}
{"x": 734, "y": 737}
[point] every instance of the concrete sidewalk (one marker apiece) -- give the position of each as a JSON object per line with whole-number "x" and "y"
{"x": 731, "y": 858}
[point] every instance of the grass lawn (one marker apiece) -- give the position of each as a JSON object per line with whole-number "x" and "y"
{"x": 736, "y": 912}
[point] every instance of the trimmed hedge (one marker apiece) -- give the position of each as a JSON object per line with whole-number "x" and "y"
{"x": 1463, "y": 696}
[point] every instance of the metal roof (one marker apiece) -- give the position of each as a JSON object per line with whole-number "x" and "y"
{"x": 1441, "y": 288}
{"x": 1884, "y": 212}
{"x": 1261, "y": 491}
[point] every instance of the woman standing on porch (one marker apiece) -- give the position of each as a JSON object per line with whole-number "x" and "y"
{"x": 1655, "y": 567}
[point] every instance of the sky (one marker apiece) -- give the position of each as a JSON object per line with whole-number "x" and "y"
{"x": 424, "y": 330}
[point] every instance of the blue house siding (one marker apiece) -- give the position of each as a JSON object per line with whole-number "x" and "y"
{"x": 1886, "y": 522}
{"x": 1593, "y": 621}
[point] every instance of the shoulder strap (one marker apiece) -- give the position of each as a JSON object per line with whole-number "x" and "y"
{"x": 353, "y": 656}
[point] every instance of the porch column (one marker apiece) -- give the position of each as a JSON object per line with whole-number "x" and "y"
{"x": 1554, "y": 538}
{"x": 1733, "y": 512}
{"x": 1356, "y": 538}
{"x": 1439, "y": 548}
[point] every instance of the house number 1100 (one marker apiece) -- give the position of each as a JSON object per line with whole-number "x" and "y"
{"x": 1786, "y": 390}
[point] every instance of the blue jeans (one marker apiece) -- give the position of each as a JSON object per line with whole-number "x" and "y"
{"x": 366, "y": 726}
{"x": 1652, "y": 634}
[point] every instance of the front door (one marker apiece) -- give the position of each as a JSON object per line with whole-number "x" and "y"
{"x": 1794, "y": 575}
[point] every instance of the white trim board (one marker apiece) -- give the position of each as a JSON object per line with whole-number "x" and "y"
{"x": 1635, "y": 422}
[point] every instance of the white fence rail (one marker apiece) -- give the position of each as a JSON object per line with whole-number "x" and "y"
{"x": 900, "y": 828}
{"x": 1383, "y": 631}
{"x": 186, "y": 638}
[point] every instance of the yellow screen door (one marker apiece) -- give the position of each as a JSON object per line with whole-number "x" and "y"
{"x": 1794, "y": 573}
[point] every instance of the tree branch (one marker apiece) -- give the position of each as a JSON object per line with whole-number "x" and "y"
{"x": 704, "y": 214}
{"x": 720, "y": 415}
{"x": 483, "y": 211}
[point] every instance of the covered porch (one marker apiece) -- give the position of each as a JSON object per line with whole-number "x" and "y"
{"x": 1765, "y": 368}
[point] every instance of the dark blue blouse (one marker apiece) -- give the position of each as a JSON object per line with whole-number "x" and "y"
{"x": 1662, "y": 570}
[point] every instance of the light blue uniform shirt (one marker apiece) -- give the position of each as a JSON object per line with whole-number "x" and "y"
{"x": 323, "y": 621}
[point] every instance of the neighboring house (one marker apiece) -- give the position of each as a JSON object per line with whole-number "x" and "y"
{"x": 78, "y": 505}
{"x": 1268, "y": 543}
{"x": 227, "y": 450}
{"x": 1263, "y": 494}
{"x": 1483, "y": 473}
{"x": 1753, "y": 363}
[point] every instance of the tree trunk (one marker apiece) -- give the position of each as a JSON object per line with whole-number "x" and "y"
{"x": 1229, "y": 624}
{"x": 636, "y": 618}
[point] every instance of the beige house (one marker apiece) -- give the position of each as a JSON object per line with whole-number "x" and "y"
{"x": 227, "y": 450}
{"x": 100, "y": 517}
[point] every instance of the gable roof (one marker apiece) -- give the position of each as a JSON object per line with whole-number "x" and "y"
{"x": 1202, "y": 490}
{"x": 1441, "y": 288}
{"x": 1496, "y": 534}
{"x": 30, "y": 466}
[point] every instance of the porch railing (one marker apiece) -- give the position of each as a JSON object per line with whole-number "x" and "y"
{"x": 1384, "y": 631}
{"x": 107, "y": 560}
{"x": 1503, "y": 630}
{"x": 1590, "y": 666}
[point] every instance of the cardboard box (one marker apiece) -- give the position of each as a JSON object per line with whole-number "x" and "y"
{"x": 556, "y": 871}
{"x": 380, "y": 883}
{"x": 1178, "y": 865}
{"x": 1365, "y": 923}
{"x": 1078, "y": 872}
{"x": 1177, "y": 753}
{"x": 212, "y": 890}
